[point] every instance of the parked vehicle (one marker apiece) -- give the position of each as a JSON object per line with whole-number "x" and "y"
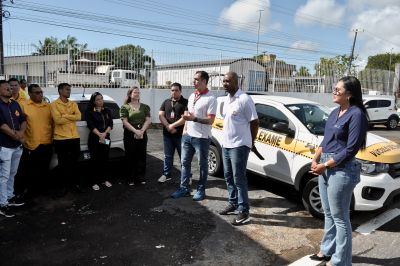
{"x": 116, "y": 135}
{"x": 382, "y": 110}
{"x": 290, "y": 131}
{"x": 103, "y": 76}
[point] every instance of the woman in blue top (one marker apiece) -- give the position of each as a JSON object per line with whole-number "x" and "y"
{"x": 339, "y": 171}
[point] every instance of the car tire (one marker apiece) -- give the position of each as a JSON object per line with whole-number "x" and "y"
{"x": 214, "y": 161}
{"x": 311, "y": 198}
{"x": 392, "y": 122}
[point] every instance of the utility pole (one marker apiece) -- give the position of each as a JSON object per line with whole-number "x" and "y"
{"x": 3, "y": 14}
{"x": 352, "y": 52}
{"x": 259, "y": 26}
{"x": 1, "y": 41}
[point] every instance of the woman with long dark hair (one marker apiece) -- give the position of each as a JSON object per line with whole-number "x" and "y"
{"x": 100, "y": 123}
{"x": 136, "y": 120}
{"x": 339, "y": 171}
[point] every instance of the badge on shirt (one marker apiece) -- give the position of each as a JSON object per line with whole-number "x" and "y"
{"x": 16, "y": 113}
{"x": 172, "y": 115}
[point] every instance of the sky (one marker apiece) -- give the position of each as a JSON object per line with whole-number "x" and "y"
{"x": 298, "y": 32}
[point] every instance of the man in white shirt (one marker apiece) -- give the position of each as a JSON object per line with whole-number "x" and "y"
{"x": 239, "y": 132}
{"x": 200, "y": 116}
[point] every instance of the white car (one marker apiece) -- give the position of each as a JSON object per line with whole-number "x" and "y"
{"x": 290, "y": 131}
{"x": 382, "y": 110}
{"x": 116, "y": 135}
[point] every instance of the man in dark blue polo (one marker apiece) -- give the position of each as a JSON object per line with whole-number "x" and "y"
{"x": 12, "y": 128}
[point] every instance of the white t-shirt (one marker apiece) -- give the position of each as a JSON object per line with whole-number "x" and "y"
{"x": 238, "y": 111}
{"x": 200, "y": 107}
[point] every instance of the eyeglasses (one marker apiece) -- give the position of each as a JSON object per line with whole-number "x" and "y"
{"x": 37, "y": 92}
{"x": 337, "y": 91}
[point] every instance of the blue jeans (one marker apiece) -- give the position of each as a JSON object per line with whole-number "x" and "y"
{"x": 190, "y": 146}
{"x": 170, "y": 144}
{"x": 235, "y": 162}
{"x": 9, "y": 161}
{"x": 336, "y": 188}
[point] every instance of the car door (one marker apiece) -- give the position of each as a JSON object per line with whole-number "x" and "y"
{"x": 384, "y": 109}
{"x": 373, "y": 110}
{"x": 275, "y": 147}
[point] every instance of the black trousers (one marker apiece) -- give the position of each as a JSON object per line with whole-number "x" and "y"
{"x": 135, "y": 156}
{"x": 67, "y": 151}
{"x": 33, "y": 170}
{"x": 98, "y": 159}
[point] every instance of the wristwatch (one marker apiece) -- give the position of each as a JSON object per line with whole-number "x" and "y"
{"x": 326, "y": 165}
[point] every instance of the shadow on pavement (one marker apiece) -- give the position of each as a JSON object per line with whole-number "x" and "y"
{"x": 125, "y": 225}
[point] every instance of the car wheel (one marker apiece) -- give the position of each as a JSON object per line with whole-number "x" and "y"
{"x": 214, "y": 161}
{"x": 312, "y": 199}
{"x": 392, "y": 123}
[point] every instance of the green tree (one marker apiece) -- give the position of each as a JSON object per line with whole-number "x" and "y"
{"x": 381, "y": 61}
{"x": 48, "y": 47}
{"x": 303, "y": 72}
{"x": 336, "y": 66}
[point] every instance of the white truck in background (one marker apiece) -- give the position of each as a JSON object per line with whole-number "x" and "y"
{"x": 103, "y": 76}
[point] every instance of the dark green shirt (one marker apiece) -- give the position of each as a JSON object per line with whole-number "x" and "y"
{"x": 135, "y": 117}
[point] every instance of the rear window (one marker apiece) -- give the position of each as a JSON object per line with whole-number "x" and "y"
{"x": 384, "y": 103}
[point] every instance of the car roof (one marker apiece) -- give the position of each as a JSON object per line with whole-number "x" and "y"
{"x": 378, "y": 97}
{"x": 280, "y": 99}
{"x": 77, "y": 97}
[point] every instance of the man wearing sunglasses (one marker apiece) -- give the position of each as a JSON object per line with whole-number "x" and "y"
{"x": 38, "y": 143}
{"x": 170, "y": 115}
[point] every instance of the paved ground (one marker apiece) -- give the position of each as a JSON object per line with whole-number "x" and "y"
{"x": 142, "y": 225}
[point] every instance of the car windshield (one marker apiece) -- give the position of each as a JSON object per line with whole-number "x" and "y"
{"x": 312, "y": 116}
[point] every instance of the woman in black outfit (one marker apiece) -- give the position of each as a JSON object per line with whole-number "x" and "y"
{"x": 100, "y": 123}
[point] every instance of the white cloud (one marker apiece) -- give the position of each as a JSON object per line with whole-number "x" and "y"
{"x": 381, "y": 31}
{"x": 363, "y": 4}
{"x": 321, "y": 12}
{"x": 244, "y": 15}
{"x": 300, "y": 46}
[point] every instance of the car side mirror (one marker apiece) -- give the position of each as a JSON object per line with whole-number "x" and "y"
{"x": 282, "y": 127}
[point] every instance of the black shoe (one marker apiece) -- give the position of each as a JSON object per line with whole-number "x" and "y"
{"x": 241, "y": 218}
{"x": 6, "y": 212}
{"x": 229, "y": 209}
{"x": 320, "y": 258}
{"x": 15, "y": 202}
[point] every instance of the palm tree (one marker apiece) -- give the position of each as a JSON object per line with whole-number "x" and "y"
{"x": 47, "y": 47}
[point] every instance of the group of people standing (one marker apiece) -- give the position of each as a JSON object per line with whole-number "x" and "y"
{"x": 30, "y": 128}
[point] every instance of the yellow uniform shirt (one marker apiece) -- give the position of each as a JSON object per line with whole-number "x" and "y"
{"x": 23, "y": 94}
{"x": 19, "y": 100}
{"x": 65, "y": 116}
{"x": 39, "y": 129}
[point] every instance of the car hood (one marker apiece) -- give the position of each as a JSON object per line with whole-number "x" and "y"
{"x": 379, "y": 149}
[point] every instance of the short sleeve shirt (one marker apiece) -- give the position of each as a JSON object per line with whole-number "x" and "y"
{"x": 177, "y": 108}
{"x": 237, "y": 112}
{"x": 135, "y": 117}
{"x": 201, "y": 107}
{"x": 12, "y": 115}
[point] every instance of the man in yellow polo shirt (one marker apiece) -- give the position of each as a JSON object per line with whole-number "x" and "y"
{"x": 66, "y": 139}
{"x": 15, "y": 90}
{"x": 22, "y": 89}
{"x": 38, "y": 149}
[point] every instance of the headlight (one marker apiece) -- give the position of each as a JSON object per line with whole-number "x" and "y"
{"x": 371, "y": 167}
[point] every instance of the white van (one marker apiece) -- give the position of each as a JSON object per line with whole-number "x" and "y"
{"x": 290, "y": 131}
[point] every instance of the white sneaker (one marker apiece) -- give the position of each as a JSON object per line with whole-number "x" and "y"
{"x": 96, "y": 187}
{"x": 163, "y": 179}
{"x": 107, "y": 184}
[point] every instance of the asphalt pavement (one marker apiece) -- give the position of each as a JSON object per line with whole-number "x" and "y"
{"x": 142, "y": 225}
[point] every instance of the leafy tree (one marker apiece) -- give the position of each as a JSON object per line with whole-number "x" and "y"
{"x": 381, "y": 61}
{"x": 303, "y": 72}
{"x": 336, "y": 66}
{"x": 51, "y": 46}
{"x": 48, "y": 47}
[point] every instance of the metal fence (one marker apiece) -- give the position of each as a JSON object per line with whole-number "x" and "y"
{"x": 123, "y": 66}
